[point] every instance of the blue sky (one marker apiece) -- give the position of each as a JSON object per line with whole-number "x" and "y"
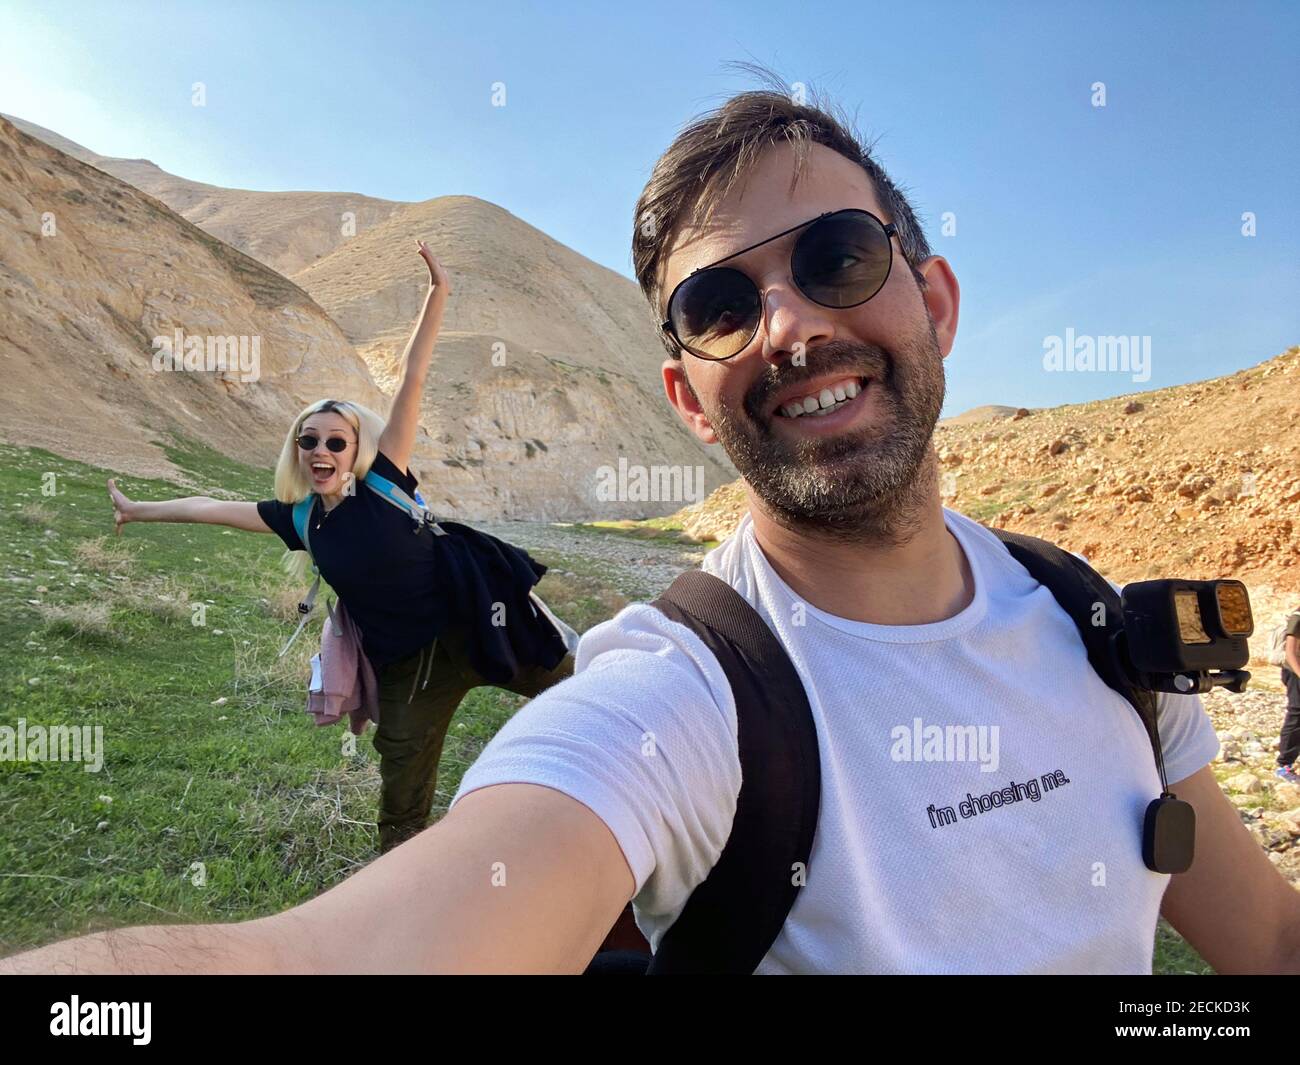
{"x": 1116, "y": 220}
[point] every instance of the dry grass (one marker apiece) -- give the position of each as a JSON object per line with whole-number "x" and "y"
{"x": 77, "y": 619}
{"x": 36, "y": 514}
{"x": 260, "y": 669}
{"x": 164, "y": 598}
{"x": 102, "y": 555}
{"x": 282, "y": 602}
{"x": 580, "y": 601}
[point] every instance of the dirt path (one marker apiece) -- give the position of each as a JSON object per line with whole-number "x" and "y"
{"x": 638, "y": 569}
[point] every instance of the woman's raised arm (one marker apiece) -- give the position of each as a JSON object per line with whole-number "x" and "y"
{"x": 202, "y": 509}
{"x": 398, "y": 437}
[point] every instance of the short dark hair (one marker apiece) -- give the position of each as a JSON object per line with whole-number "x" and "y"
{"x": 706, "y": 159}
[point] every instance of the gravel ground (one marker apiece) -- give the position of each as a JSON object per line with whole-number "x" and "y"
{"x": 638, "y": 569}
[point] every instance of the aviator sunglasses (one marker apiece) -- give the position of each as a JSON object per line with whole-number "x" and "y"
{"x": 841, "y": 260}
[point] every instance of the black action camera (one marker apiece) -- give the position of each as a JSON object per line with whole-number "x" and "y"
{"x": 1183, "y": 637}
{"x": 1187, "y": 636}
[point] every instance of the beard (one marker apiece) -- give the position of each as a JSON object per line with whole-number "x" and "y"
{"x": 869, "y": 483}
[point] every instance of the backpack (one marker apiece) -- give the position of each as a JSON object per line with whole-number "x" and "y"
{"x": 733, "y": 917}
{"x": 1277, "y": 642}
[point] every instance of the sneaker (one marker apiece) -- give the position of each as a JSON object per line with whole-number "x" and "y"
{"x": 1288, "y": 774}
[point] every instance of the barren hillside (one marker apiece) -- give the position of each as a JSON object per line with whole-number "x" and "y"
{"x": 284, "y": 230}
{"x": 546, "y": 368}
{"x": 91, "y": 271}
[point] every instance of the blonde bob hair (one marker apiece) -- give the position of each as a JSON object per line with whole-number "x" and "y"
{"x": 290, "y": 484}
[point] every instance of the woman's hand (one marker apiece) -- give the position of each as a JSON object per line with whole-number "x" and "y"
{"x": 438, "y": 278}
{"x": 123, "y": 509}
{"x": 398, "y": 437}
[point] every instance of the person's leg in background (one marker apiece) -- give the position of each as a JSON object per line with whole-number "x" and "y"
{"x": 1288, "y": 745}
{"x": 414, "y": 715}
{"x": 417, "y": 700}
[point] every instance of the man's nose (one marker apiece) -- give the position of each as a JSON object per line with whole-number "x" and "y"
{"x": 792, "y": 323}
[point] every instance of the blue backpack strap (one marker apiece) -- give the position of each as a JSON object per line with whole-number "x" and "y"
{"x": 398, "y": 497}
{"x": 301, "y": 524}
{"x": 301, "y": 514}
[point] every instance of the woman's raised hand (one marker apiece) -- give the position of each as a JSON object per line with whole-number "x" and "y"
{"x": 437, "y": 275}
{"x": 123, "y": 508}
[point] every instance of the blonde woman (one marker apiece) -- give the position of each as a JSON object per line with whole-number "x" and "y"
{"x": 429, "y": 607}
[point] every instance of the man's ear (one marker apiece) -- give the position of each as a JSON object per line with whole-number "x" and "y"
{"x": 942, "y": 298}
{"x": 684, "y": 401}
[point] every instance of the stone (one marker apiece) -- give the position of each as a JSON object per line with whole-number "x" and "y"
{"x": 1245, "y": 784}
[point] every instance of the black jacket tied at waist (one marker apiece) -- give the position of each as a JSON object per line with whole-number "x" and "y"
{"x": 477, "y": 571}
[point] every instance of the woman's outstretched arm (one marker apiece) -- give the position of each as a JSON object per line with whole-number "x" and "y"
{"x": 399, "y": 435}
{"x": 202, "y": 509}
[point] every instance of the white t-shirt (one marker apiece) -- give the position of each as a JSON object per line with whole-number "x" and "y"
{"x": 1018, "y": 852}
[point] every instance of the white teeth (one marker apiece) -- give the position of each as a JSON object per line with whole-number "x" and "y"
{"x": 823, "y": 401}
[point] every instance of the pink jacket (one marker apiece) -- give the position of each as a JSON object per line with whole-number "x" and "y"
{"x": 342, "y": 679}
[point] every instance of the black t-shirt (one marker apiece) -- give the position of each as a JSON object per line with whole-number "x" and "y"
{"x": 380, "y": 567}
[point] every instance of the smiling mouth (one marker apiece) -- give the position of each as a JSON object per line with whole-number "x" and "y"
{"x": 824, "y": 401}
{"x": 321, "y": 471}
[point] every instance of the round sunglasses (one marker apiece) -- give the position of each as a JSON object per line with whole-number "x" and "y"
{"x": 335, "y": 443}
{"x": 841, "y": 260}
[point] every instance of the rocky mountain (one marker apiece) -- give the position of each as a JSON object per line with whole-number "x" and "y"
{"x": 1200, "y": 480}
{"x": 546, "y": 371}
{"x": 545, "y": 376}
{"x": 987, "y": 413}
{"x": 92, "y": 271}
{"x": 286, "y": 231}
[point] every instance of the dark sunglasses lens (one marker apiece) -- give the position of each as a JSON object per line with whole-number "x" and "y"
{"x": 334, "y": 443}
{"x": 843, "y": 260}
{"x": 715, "y": 312}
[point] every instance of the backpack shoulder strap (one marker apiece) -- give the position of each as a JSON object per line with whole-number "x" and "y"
{"x": 400, "y": 498}
{"x": 1094, "y": 607}
{"x": 732, "y": 919}
{"x": 302, "y": 525}
{"x": 301, "y": 520}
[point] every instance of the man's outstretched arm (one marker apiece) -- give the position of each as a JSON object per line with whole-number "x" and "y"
{"x": 516, "y": 878}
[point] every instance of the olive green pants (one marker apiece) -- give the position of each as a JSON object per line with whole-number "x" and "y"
{"x": 417, "y": 698}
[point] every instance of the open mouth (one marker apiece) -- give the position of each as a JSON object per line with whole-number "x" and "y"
{"x": 831, "y": 397}
{"x": 321, "y": 472}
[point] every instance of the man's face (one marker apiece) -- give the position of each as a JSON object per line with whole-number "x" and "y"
{"x": 852, "y": 468}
